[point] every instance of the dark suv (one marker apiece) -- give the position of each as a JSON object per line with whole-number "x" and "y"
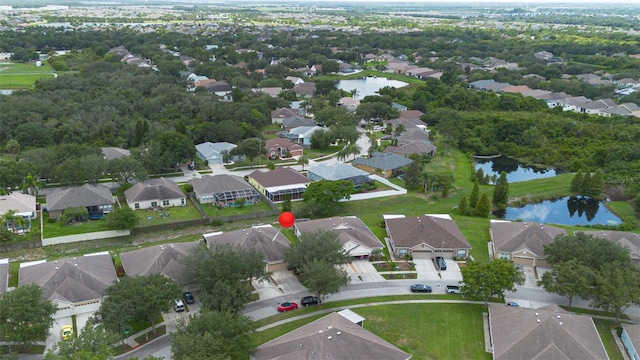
{"x": 309, "y": 300}
{"x": 441, "y": 264}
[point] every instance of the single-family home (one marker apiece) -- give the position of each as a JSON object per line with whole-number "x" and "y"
{"x": 384, "y": 164}
{"x": 278, "y": 115}
{"x": 553, "y": 99}
{"x": 521, "y": 242}
{"x": 294, "y": 122}
{"x": 167, "y": 259}
{"x": 224, "y": 190}
{"x": 626, "y": 239}
{"x": 79, "y": 282}
{"x": 220, "y": 89}
{"x": 416, "y": 147}
{"x": 271, "y": 91}
{"x": 213, "y": 153}
{"x": 631, "y": 340}
{"x": 349, "y": 103}
{"x": 110, "y": 153}
{"x": 425, "y": 237}
{"x": 24, "y": 205}
{"x": 295, "y": 80}
{"x": 265, "y": 239}
{"x": 306, "y": 90}
{"x": 278, "y": 183}
{"x": 96, "y": 198}
{"x": 316, "y": 69}
{"x": 356, "y": 238}
{"x": 280, "y": 147}
{"x": 333, "y": 336}
{"x": 155, "y": 193}
{"x": 302, "y": 134}
{"x": 339, "y": 171}
{"x": 544, "y": 333}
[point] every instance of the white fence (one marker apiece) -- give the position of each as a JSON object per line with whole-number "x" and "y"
{"x": 85, "y": 237}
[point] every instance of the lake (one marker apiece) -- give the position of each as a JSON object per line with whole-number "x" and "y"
{"x": 516, "y": 171}
{"x": 369, "y": 85}
{"x": 568, "y": 210}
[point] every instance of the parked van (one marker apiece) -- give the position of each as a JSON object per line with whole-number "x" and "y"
{"x": 179, "y": 306}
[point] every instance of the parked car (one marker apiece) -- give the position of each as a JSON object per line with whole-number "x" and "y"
{"x": 441, "y": 264}
{"x": 421, "y": 288}
{"x": 309, "y": 300}
{"x": 386, "y": 137}
{"x": 453, "y": 289}
{"x": 512, "y": 303}
{"x": 67, "y": 332}
{"x": 179, "y": 305}
{"x": 188, "y": 297}
{"x": 287, "y": 306}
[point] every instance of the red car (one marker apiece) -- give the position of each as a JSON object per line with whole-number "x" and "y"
{"x": 286, "y": 306}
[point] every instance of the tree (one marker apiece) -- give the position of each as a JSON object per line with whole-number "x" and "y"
{"x": 475, "y": 195}
{"x": 32, "y": 184}
{"x": 147, "y": 295}
{"x": 617, "y": 288}
{"x": 126, "y": 169}
{"x": 251, "y": 148}
{"x": 590, "y": 251}
{"x": 486, "y": 279}
{"x": 412, "y": 175}
{"x": 501, "y": 192}
{"x": 484, "y": 206}
{"x": 321, "y": 245}
{"x": 326, "y": 195}
{"x": 14, "y": 221}
{"x": 303, "y": 160}
{"x": 213, "y": 335}
{"x": 323, "y": 279}
{"x": 576, "y": 182}
{"x": 25, "y": 314}
{"x": 462, "y": 206}
{"x": 595, "y": 185}
{"x": 123, "y": 218}
{"x": 568, "y": 279}
{"x": 93, "y": 343}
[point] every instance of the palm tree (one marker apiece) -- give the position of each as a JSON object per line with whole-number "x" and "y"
{"x": 354, "y": 150}
{"x": 31, "y": 185}
{"x": 343, "y": 153}
{"x": 11, "y": 219}
{"x": 354, "y": 93}
{"x": 303, "y": 160}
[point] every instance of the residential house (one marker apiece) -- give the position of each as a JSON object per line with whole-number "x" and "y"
{"x": 412, "y": 115}
{"x": 536, "y": 93}
{"x": 24, "y": 206}
{"x": 295, "y": 80}
{"x": 4, "y": 275}
{"x": 626, "y": 109}
{"x": 76, "y": 285}
{"x": 339, "y": 171}
{"x": 110, "y": 153}
{"x": 425, "y": 237}
{"x": 573, "y": 103}
{"x": 631, "y": 340}
{"x": 420, "y": 148}
{"x": 295, "y": 122}
{"x": 521, "y": 242}
{"x": 399, "y": 67}
{"x": 543, "y": 55}
{"x": 384, "y": 164}
{"x": 489, "y": 85}
{"x": 302, "y": 134}
{"x": 593, "y": 79}
{"x": 628, "y": 240}
{"x": 553, "y": 99}
{"x": 369, "y": 57}
{"x": 96, "y": 198}
{"x": 155, "y": 193}
{"x": 265, "y": 239}
{"x": 276, "y": 184}
{"x": 278, "y": 115}
{"x": 224, "y": 190}
{"x": 306, "y": 90}
{"x": 170, "y": 260}
{"x": 213, "y": 153}
{"x": 349, "y": 103}
{"x": 517, "y": 89}
{"x": 356, "y": 238}
{"x": 220, "y": 89}
{"x": 385, "y": 57}
{"x": 545, "y": 333}
{"x": 330, "y": 337}
{"x": 281, "y": 148}
{"x": 271, "y": 91}
{"x": 315, "y": 69}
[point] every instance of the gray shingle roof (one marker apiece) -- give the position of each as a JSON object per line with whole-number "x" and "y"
{"x": 384, "y": 161}
{"x": 111, "y": 153}
{"x": 411, "y": 148}
{"x": 167, "y": 259}
{"x": 330, "y": 337}
{"x": 154, "y": 189}
{"x": 349, "y": 230}
{"x": 414, "y": 135}
{"x": 279, "y": 177}
{"x": 412, "y": 231}
{"x": 517, "y": 335}
{"x": 266, "y": 240}
{"x": 72, "y": 279}
{"x": 21, "y": 203}
{"x": 336, "y": 171}
{"x": 85, "y": 195}
{"x": 219, "y": 183}
{"x": 625, "y": 239}
{"x": 295, "y": 122}
{"x": 509, "y": 237}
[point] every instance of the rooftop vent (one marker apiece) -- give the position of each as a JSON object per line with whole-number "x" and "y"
{"x": 339, "y": 332}
{"x": 558, "y": 316}
{"x": 536, "y": 314}
{"x": 329, "y": 337}
{"x": 320, "y": 332}
{"x": 76, "y": 265}
{"x": 560, "y": 323}
{"x": 329, "y": 327}
{"x": 538, "y": 320}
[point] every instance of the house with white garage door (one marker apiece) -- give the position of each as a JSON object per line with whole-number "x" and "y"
{"x": 426, "y": 237}
{"x": 521, "y": 242}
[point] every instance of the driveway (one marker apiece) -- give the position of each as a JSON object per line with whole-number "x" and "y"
{"x": 427, "y": 271}
{"x": 361, "y": 271}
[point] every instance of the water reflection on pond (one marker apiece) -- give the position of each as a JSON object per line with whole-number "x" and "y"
{"x": 369, "y": 85}
{"x": 516, "y": 171}
{"x": 566, "y": 211}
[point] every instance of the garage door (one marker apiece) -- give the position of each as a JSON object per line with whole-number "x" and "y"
{"x": 522, "y": 260}
{"x": 421, "y": 254}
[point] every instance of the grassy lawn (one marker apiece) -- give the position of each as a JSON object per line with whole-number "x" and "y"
{"x": 237, "y": 210}
{"x": 149, "y": 335}
{"x": 584, "y": 311}
{"x": 58, "y": 229}
{"x": 604, "y": 329}
{"x": 427, "y": 331}
{"x": 22, "y": 76}
{"x": 175, "y": 214}
{"x": 541, "y": 189}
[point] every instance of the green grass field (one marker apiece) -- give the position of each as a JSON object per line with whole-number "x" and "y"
{"x": 22, "y": 76}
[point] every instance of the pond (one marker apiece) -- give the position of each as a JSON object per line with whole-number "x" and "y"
{"x": 368, "y": 85}
{"x": 568, "y": 210}
{"x": 516, "y": 170}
